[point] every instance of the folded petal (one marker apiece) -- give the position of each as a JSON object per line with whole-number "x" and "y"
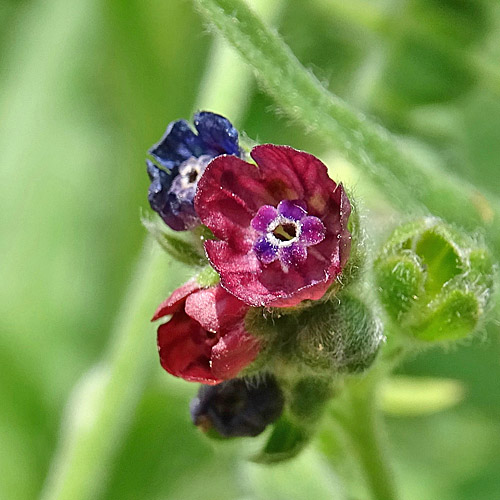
{"x": 234, "y": 351}
{"x": 215, "y": 309}
{"x": 158, "y": 189}
{"x": 217, "y": 133}
{"x": 183, "y": 352}
{"x": 178, "y": 144}
{"x": 175, "y": 302}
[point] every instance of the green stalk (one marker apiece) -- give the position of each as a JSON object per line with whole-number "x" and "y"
{"x": 360, "y": 420}
{"x": 410, "y": 186}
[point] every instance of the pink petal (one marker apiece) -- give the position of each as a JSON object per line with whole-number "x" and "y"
{"x": 303, "y": 176}
{"x": 182, "y": 353}
{"x": 243, "y": 275}
{"x": 234, "y": 351}
{"x": 215, "y": 309}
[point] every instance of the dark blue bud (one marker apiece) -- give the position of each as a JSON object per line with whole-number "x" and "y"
{"x": 238, "y": 407}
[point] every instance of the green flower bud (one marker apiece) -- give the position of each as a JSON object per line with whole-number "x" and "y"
{"x": 338, "y": 336}
{"x": 433, "y": 281}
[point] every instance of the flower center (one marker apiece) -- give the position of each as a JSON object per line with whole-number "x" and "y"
{"x": 192, "y": 176}
{"x": 285, "y": 232}
{"x": 191, "y": 170}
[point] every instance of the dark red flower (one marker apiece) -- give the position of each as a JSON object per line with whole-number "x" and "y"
{"x": 205, "y": 340}
{"x": 281, "y": 225}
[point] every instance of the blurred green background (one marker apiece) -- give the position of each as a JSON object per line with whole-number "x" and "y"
{"x": 85, "y": 88}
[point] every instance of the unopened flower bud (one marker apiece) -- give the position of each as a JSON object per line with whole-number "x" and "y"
{"x": 341, "y": 335}
{"x": 238, "y": 407}
{"x": 433, "y": 281}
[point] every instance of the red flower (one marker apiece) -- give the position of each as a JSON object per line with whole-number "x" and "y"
{"x": 205, "y": 340}
{"x": 281, "y": 225}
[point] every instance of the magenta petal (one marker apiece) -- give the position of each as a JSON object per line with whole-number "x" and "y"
{"x": 265, "y": 250}
{"x": 291, "y": 210}
{"x": 313, "y": 231}
{"x": 344, "y": 234}
{"x": 302, "y": 173}
{"x": 228, "y": 195}
{"x": 265, "y": 215}
{"x": 293, "y": 255}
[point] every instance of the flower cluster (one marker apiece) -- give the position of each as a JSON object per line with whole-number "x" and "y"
{"x": 279, "y": 242}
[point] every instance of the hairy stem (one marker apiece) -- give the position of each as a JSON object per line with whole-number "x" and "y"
{"x": 409, "y": 185}
{"x": 360, "y": 420}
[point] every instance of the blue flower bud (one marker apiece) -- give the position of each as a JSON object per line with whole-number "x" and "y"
{"x": 434, "y": 282}
{"x": 238, "y": 407}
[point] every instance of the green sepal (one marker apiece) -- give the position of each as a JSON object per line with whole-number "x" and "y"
{"x": 335, "y": 336}
{"x": 287, "y": 439}
{"x": 451, "y": 317}
{"x": 357, "y": 256}
{"x": 400, "y": 280}
{"x": 179, "y": 248}
{"x": 208, "y": 276}
{"x": 308, "y": 398}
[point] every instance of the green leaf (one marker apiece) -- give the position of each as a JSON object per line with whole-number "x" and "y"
{"x": 178, "y": 248}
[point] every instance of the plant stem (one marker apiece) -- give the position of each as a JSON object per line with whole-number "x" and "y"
{"x": 359, "y": 418}
{"x": 409, "y": 185}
